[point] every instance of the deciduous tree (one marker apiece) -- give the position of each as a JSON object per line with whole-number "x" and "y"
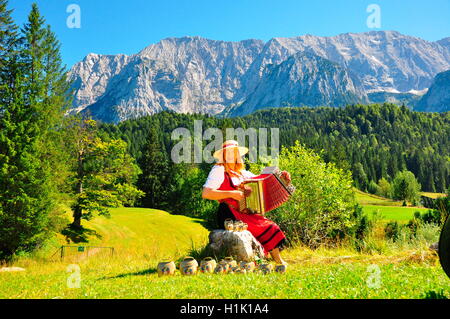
{"x": 103, "y": 173}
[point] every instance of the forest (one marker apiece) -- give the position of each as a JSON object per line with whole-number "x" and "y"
{"x": 374, "y": 141}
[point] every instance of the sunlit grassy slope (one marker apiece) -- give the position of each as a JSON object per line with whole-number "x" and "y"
{"x": 393, "y": 212}
{"x": 370, "y": 199}
{"x": 388, "y": 208}
{"x": 142, "y": 237}
{"x": 153, "y": 232}
{"x": 433, "y": 195}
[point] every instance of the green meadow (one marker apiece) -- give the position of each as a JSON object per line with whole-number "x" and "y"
{"x": 388, "y": 209}
{"x": 142, "y": 237}
{"x": 397, "y": 213}
{"x": 136, "y": 278}
{"x": 370, "y": 199}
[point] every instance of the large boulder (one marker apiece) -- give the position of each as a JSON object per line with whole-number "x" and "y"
{"x": 241, "y": 245}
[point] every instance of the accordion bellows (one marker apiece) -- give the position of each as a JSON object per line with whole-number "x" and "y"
{"x": 269, "y": 191}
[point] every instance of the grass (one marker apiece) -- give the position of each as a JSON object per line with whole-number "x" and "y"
{"x": 135, "y": 231}
{"x": 150, "y": 231}
{"x": 142, "y": 237}
{"x": 331, "y": 274}
{"x": 370, "y": 199}
{"x": 397, "y": 213}
{"x": 433, "y": 195}
{"x": 388, "y": 208}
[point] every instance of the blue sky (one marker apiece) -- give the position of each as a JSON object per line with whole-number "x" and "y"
{"x": 127, "y": 26}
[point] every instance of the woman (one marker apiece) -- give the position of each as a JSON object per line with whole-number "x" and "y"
{"x": 222, "y": 184}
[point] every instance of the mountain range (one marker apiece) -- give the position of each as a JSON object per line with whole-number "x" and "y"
{"x": 198, "y": 75}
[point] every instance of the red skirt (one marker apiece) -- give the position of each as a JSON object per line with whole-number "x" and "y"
{"x": 267, "y": 232}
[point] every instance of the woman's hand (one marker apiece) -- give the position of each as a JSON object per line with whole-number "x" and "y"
{"x": 286, "y": 175}
{"x": 237, "y": 195}
{"x": 247, "y": 190}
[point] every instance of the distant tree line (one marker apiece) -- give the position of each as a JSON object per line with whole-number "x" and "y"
{"x": 376, "y": 142}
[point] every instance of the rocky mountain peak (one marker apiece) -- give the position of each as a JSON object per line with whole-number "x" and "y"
{"x": 194, "y": 74}
{"x": 304, "y": 79}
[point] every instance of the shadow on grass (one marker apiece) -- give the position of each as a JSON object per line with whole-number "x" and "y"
{"x": 431, "y": 294}
{"x": 79, "y": 235}
{"x": 209, "y": 225}
{"x": 136, "y": 273}
{"x": 200, "y": 253}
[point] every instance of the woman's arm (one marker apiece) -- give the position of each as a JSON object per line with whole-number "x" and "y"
{"x": 214, "y": 194}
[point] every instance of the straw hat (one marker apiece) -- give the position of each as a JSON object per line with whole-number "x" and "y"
{"x": 229, "y": 145}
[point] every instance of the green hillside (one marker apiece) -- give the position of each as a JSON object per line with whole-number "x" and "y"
{"x": 388, "y": 209}
{"x": 142, "y": 237}
{"x": 148, "y": 231}
{"x": 370, "y": 199}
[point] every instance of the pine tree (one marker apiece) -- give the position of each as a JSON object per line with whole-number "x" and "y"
{"x": 56, "y": 86}
{"x": 156, "y": 178}
{"x": 32, "y": 56}
{"x": 24, "y": 196}
{"x": 47, "y": 93}
{"x": 9, "y": 43}
{"x": 22, "y": 215}
{"x": 32, "y": 103}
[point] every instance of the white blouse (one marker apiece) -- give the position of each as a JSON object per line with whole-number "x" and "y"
{"x": 216, "y": 177}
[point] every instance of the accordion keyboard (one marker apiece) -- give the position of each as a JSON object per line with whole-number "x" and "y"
{"x": 269, "y": 191}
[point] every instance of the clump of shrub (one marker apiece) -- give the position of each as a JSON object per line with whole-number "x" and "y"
{"x": 362, "y": 231}
{"x": 384, "y": 188}
{"x": 403, "y": 187}
{"x": 363, "y": 225}
{"x": 428, "y": 233}
{"x": 439, "y": 213}
{"x": 414, "y": 224}
{"x": 373, "y": 187}
{"x": 421, "y": 230}
{"x": 323, "y": 210}
{"x": 392, "y": 230}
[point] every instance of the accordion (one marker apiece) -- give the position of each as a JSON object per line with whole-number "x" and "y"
{"x": 268, "y": 191}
